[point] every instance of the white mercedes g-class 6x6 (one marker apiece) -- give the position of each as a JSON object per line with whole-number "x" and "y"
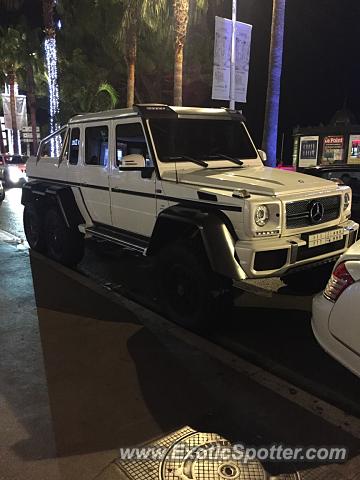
{"x": 186, "y": 185}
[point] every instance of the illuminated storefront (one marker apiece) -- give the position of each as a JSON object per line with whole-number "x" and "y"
{"x": 336, "y": 143}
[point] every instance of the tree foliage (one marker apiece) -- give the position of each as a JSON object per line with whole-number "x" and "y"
{"x": 93, "y": 53}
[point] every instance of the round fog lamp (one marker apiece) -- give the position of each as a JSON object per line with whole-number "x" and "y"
{"x": 261, "y": 215}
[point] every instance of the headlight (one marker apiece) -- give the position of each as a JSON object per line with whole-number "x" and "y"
{"x": 14, "y": 175}
{"x": 347, "y": 201}
{"x": 261, "y": 215}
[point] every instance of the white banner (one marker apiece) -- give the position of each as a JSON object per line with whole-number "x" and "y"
{"x": 222, "y": 57}
{"x": 21, "y": 114}
{"x": 308, "y": 151}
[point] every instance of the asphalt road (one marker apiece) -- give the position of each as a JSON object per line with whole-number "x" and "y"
{"x": 83, "y": 372}
{"x": 273, "y": 332}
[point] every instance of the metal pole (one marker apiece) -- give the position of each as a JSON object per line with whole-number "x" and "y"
{"x": 233, "y": 56}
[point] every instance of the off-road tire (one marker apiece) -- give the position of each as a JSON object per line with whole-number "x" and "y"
{"x": 34, "y": 228}
{"x": 64, "y": 245}
{"x": 191, "y": 294}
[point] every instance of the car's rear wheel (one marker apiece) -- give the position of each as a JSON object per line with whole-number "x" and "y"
{"x": 34, "y": 228}
{"x": 192, "y": 295}
{"x": 64, "y": 244}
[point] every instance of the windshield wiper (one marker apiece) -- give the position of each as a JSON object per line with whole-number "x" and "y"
{"x": 226, "y": 157}
{"x": 190, "y": 159}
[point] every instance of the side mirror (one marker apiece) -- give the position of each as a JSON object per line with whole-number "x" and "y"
{"x": 262, "y": 155}
{"x": 133, "y": 160}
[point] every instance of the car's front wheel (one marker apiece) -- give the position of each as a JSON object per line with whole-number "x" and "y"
{"x": 192, "y": 295}
{"x": 64, "y": 244}
{"x": 34, "y": 228}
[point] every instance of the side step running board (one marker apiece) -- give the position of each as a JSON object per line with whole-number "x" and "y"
{"x": 120, "y": 238}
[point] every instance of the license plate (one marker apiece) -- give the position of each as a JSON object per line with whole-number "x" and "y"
{"x": 322, "y": 238}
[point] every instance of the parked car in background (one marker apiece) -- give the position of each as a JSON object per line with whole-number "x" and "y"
{"x": 13, "y": 170}
{"x": 335, "y": 318}
{"x": 347, "y": 174}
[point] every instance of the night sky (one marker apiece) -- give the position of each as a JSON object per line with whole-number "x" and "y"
{"x": 321, "y": 71}
{"x": 320, "y": 68}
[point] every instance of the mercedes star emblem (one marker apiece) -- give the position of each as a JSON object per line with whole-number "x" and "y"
{"x": 316, "y": 211}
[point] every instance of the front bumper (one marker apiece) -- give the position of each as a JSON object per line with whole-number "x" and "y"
{"x": 274, "y": 257}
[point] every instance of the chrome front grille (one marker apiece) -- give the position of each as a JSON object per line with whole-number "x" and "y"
{"x": 298, "y": 214}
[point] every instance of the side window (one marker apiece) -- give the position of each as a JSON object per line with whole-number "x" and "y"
{"x": 74, "y": 146}
{"x": 97, "y": 145}
{"x": 130, "y": 139}
{"x": 45, "y": 149}
{"x": 48, "y": 148}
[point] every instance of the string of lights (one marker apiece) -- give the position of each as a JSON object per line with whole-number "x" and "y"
{"x": 51, "y": 65}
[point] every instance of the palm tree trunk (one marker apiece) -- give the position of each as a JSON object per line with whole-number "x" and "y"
{"x": 132, "y": 47}
{"x": 178, "y": 74}
{"x": 181, "y": 16}
{"x": 48, "y": 15}
{"x": 269, "y": 143}
{"x": 51, "y": 67}
{"x": 13, "y": 112}
{"x": 32, "y": 104}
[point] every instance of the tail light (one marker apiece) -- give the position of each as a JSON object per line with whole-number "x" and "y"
{"x": 339, "y": 281}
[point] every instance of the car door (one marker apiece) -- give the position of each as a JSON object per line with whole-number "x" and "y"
{"x": 132, "y": 179}
{"x": 93, "y": 174}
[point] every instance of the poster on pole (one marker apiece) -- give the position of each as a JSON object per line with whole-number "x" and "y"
{"x": 333, "y": 150}
{"x": 222, "y": 59}
{"x": 308, "y": 151}
{"x": 20, "y": 108}
{"x": 354, "y": 149}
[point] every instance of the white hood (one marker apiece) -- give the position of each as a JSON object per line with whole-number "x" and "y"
{"x": 256, "y": 180}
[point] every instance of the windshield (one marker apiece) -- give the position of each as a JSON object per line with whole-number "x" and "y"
{"x": 204, "y": 139}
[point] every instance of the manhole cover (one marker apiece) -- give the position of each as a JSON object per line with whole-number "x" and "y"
{"x": 208, "y": 456}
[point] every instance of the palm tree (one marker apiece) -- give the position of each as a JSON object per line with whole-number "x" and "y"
{"x": 181, "y": 10}
{"x": 32, "y": 103}
{"x": 181, "y": 20}
{"x": 31, "y": 60}
{"x": 138, "y": 14}
{"x": 269, "y": 143}
{"x": 51, "y": 66}
{"x": 10, "y": 52}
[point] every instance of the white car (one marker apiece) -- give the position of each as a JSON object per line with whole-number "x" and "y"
{"x": 187, "y": 186}
{"x": 336, "y": 311}
{"x": 13, "y": 170}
